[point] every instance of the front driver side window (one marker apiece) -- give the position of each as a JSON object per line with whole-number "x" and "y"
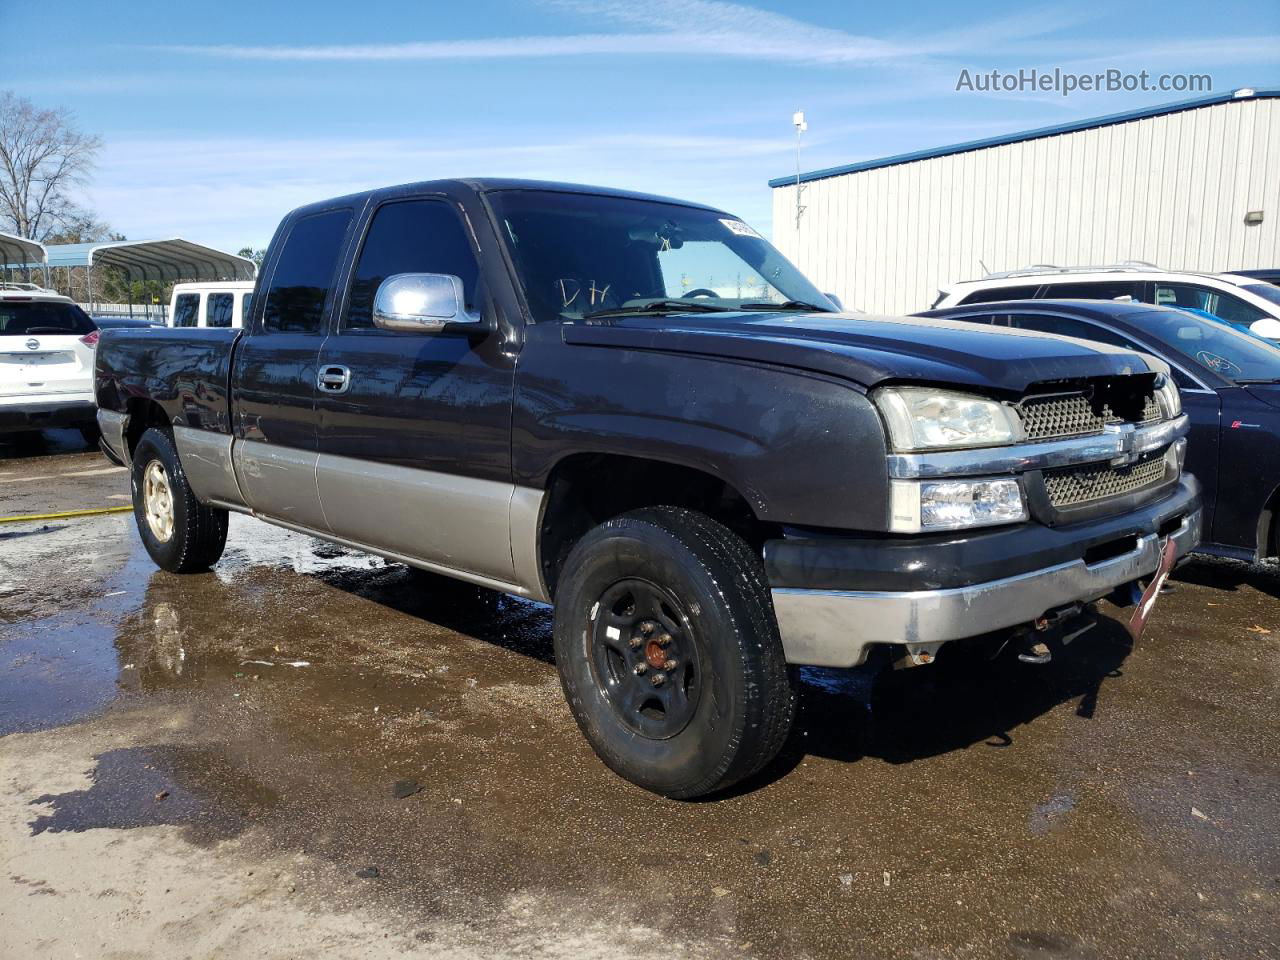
{"x": 410, "y": 236}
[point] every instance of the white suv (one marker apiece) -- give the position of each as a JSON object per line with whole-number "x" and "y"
{"x": 46, "y": 362}
{"x": 1239, "y": 300}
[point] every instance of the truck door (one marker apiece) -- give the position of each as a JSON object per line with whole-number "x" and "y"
{"x": 273, "y": 384}
{"x": 415, "y": 427}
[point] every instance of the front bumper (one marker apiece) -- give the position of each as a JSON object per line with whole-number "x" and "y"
{"x": 43, "y": 412}
{"x": 834, "y": 627}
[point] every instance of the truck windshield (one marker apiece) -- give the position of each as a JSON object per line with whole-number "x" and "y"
{"x": 582, "y": 256}
{"x": 1226, "y": 350}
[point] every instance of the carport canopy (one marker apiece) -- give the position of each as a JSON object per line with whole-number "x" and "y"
{"x": 21, "y": 253}
{"x": 172, "y": 259}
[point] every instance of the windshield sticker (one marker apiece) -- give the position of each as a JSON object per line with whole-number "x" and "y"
{"x": 739, "y": 229}
{"x": 1218, "y": 364}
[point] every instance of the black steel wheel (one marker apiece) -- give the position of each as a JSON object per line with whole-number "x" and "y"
{"x": 668, "y": 652}
{"x": 645, "y": 659}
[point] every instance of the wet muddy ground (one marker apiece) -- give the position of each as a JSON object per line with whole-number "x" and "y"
{"x": 314, "y": 750}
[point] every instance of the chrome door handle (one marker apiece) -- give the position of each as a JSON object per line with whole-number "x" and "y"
{"x": 333, "y": 379}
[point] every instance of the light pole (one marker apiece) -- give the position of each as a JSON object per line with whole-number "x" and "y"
{"x": 797, "y": 120}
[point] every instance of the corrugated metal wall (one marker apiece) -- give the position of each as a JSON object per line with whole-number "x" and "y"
{"x": 1172, "y": 190}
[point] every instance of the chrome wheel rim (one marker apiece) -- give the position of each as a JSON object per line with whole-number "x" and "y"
{"x": 157, "y": 501}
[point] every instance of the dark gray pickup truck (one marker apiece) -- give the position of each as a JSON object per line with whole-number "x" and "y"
{"x": 638, "y": 409}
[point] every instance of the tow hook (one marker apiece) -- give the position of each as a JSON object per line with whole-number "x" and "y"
{"x": 1034, "y": 651}
{"x": 1034, "y": 640}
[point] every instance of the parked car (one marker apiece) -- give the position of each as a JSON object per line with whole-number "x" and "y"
{"x": 1271, "y": 275}
{"x": 214, "y": 304}
{"x": 1230, "y": 385}
{"x": 46, "y": 362}
{"x": 1243, "y": 301}
{"x": 538, "y": 388}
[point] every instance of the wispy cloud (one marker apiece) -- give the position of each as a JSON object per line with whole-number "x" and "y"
{"x": 701, "y": 28}
{"x": 230, "y": 192}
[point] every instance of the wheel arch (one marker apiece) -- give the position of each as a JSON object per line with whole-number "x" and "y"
{"x": 585, "y": 489}
{"x": 143, "y": 413}
{"x": 1267, "y": 543}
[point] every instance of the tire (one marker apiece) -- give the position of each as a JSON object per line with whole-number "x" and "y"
{"x": 193, "y": 538}
{"x": 677, "y": 587}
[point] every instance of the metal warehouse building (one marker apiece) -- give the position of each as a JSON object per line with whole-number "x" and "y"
{"x": 1192, "y": 185}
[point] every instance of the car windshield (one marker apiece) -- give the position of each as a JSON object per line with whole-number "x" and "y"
{"x": 27, "y": 317}
{"x": 1267, "y": 291}
{"x": 1226, "y": 350}
{"x": 583, "y": 256}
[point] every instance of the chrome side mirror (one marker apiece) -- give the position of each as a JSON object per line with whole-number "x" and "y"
{"x": 421, "y": 303}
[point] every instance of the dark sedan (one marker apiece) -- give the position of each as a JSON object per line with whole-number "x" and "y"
{"x": 1271, "y": 275}
{"x": 1230, "y": 385}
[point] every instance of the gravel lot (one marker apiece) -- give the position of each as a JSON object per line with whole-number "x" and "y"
{"x": 311, "y": 751}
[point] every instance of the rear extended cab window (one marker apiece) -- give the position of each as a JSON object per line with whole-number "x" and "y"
{"x": 303, "y": 276}
{"x": 34, "y": 317}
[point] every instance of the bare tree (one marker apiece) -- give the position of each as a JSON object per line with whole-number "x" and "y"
{"x": 43, "y": 157}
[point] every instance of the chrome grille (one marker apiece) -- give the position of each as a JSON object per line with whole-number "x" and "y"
{"x": 1052, "y": 416}
{"x": 1072, "y": 486}
{"x": 1150, "y": 409}
{"x": 1059, "y": 415}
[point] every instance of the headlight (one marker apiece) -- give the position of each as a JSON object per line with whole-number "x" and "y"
{"x": 917, "y": 506}
{"x": 1168, "y": 397}
{"x": 921, "y": 418}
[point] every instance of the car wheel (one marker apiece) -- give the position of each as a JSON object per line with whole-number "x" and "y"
{"x": 668, "y": 652}
{"x": 181, "y": 534}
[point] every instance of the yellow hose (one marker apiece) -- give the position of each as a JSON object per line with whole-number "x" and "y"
{"x": 68, "y": 513}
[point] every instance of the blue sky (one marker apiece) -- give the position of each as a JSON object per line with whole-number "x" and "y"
{"x": 218, "y": 118}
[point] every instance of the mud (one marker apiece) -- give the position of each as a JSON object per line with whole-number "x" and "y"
{"x": 226, "y": 755}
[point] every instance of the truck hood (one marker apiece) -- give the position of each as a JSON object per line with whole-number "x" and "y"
{"x": 869, "y": 350}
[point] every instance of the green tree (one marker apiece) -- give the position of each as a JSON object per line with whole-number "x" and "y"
{"x": 249, "y": 253}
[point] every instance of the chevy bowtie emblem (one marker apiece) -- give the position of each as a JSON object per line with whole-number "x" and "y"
{"x": 1127, "y": 454}
{"x": 33, "y": 344}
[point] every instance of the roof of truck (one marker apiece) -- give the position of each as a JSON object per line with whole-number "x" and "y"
{"x": 491, "y": 184}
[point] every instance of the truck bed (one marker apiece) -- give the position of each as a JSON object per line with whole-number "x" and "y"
{"x": 185, "y": 371}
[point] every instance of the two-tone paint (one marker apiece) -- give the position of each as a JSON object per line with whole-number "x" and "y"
{"x": 443, "y": 449}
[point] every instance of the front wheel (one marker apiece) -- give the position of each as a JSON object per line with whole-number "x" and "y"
{"x": 668, "y": 652}
{"x": 181, "y": 534}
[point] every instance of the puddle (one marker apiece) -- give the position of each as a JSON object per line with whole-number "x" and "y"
{"x": 55, "y": 672}
{"x": 160, "y": 786}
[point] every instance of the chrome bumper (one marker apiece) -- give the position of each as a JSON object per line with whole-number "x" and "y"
{"x": 834, "y": 628}
{"x": 112, "y": 425}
